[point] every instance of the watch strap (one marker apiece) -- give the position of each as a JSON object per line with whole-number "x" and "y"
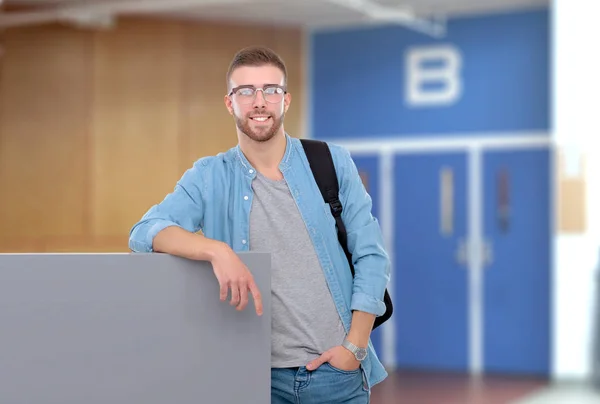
{"x": 359, "y": 353}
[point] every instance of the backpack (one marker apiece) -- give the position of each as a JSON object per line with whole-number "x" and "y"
{"x": 323, "y": 169}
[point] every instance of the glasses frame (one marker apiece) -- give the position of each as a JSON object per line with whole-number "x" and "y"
{"x": 256, "y": 89}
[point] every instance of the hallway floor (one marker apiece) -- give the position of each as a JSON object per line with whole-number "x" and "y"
{"x": 403, "y": 387}
{"x": 562, "y": 394}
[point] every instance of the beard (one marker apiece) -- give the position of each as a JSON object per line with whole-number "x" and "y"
{"x": 262, "y": 131}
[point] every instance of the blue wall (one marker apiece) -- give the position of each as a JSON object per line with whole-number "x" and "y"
{"x": 500, "y": 65}
{"x": 359, "y": 79}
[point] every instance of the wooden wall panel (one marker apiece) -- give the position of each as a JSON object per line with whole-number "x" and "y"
{"x": 96, "y": 126}
{"x": 572, "y": 184}
{"x": 44, "y": 122}
{"x": 136, "y": 120}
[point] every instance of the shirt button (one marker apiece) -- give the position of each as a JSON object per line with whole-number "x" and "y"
{"x": 243, "y": 241}
{"x": 246, "y": 197}
{"x": 251, "y": 171}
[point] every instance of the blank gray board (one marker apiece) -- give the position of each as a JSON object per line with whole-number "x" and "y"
{"x": 129, "y": 329}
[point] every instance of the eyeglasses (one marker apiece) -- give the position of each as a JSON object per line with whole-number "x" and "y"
{"x": 247, "y": 94}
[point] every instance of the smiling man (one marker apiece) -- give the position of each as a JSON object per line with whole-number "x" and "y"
{"x": 261, "y": 196}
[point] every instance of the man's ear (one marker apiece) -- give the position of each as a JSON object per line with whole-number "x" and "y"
{"x": 287, "y": 101}
{"x": 228, "y": 104}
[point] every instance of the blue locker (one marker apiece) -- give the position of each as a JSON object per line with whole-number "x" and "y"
{"x": 430, "y": 284}
{"x": 517, "y": 195}
{"x": 368, "y": 167}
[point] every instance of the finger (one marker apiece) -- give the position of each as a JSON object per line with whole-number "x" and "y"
{"x": 314, "y": 364}
{"x": 243, "y": 296}
{"x": 223, "y": 290}
{"x": 256, "y": 296}
{"x": 235, "y": 294}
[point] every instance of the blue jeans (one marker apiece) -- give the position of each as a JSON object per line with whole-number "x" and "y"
{"x": 321, "y": 386}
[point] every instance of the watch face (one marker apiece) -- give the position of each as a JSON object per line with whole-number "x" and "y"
{"x": 361, "y": 354}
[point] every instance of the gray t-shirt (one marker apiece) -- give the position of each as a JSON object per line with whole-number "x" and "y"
{"x": 305, "y": 322}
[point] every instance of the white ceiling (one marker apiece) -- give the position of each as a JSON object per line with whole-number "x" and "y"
{"x": 327, "y": 13}
{"x": 309, "y": 13}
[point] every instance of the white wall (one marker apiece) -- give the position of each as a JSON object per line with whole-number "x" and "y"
{"x": 576, "y": 125}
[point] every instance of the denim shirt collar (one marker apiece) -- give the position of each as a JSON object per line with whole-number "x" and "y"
{"x": 285, "y": 163}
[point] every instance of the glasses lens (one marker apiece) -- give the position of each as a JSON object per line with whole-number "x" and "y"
{"x": 245, "y": 95}
{"x": 271, "y": 95}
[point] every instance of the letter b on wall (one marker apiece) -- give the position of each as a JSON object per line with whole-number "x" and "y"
{"x": 433, "y": 76}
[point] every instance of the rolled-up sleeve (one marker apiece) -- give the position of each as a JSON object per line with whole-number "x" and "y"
{"x": 184, "y": 207}
{"x": 365, "y": 239}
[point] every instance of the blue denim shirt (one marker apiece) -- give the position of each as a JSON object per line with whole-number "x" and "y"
{"x": 215, "y": 196}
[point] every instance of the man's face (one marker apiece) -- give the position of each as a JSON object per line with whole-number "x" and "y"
{"x": 258, "y": 114}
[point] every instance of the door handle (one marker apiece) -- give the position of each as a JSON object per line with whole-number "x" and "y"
{"x": 463, "y": 252}
{"x": 446, "y": 201}
{"x": 503, "y": 201}
{"x": 487, "y": 255}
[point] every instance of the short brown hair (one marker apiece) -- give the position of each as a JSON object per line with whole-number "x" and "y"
{"x": 256, "y": 56}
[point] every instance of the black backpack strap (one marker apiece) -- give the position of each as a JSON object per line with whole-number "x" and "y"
{"x": 323, "y": 169}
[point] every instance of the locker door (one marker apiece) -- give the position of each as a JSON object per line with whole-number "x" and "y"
{"x": 517, "y": 280}
{"x": 368, "y": 168}
{"x": 430, "y": 284}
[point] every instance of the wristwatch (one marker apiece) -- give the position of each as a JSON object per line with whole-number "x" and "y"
{"x": 359, "y": 353}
